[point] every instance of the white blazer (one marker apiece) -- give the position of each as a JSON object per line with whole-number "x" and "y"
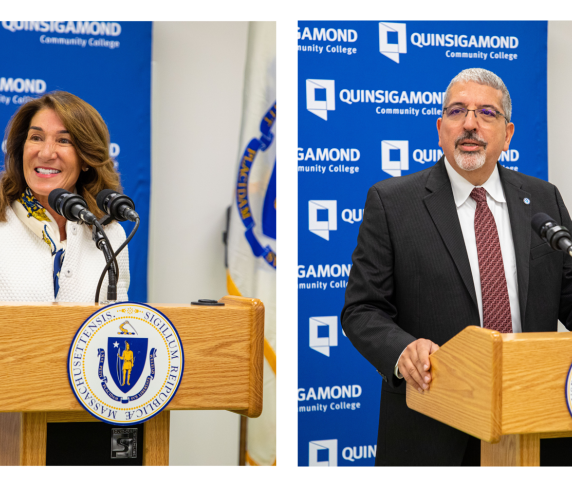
{"x": 26, "y": 264}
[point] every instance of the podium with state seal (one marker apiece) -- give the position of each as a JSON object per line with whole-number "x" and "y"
{"x": 510, "y": 390}
{"x": 41, "y": 356}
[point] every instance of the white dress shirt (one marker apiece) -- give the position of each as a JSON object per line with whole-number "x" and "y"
{"x": 466, "y": 207}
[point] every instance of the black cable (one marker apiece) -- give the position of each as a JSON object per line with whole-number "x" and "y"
{"x": 107, "y": 250}
{"x": 114, "y": 259}
{"x": 100, "y": 228}
{"x": 112, "y": 286}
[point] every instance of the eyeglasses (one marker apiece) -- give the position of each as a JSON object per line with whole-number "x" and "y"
{"x": 487, "y": 115}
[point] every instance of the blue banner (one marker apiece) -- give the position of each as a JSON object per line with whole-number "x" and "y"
{"x": 107, "y": 64}
{"x": 369, "y": 96}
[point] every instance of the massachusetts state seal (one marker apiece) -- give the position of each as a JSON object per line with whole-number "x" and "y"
{"x": 568, "y": 390}
{"x": 125, "y": 363}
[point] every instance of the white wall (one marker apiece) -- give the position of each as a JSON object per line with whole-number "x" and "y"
{"x": 560, "y": 110}
{"x": 198, "y": 71}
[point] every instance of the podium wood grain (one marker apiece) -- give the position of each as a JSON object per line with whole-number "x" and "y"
{"x": 156, "y": 443}
{"x": 33, "y": 439}
{"x": 23, "y": 439}
{"x": 220, "y": 370}
{"x": 507, "y": 389}
{"x": 224, "y": 352}
{"x": 10, "y": 435}
{"x": 465, "y": 390}
{"x": 535, "y": 366}
{"x": 512, "y": 451}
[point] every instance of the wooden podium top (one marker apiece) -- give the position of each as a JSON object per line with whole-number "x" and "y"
{"x": 223, "y": 348}
{"x": 489, "y": 384}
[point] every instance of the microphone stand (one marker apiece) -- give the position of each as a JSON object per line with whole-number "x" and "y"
{"x": 117, "y": 252}
{"x": 101, "y": 241}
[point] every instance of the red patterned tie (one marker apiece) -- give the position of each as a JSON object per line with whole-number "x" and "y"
{"x": 496, "y": 305}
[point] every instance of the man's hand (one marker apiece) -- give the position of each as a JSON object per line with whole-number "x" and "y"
{"x": 414, "y": 363}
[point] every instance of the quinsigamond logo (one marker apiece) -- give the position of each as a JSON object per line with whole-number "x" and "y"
{"x": 392, "y": 40}
{"x": 322, "y": 217}
{"x": 323, "y": 453}
{"x": 320, "y": 96}
{"x": 22, "y": 85}
{"x": 125, "y": 363}
{"x": 394, "y": 156}
{"x": 323, "y": 333}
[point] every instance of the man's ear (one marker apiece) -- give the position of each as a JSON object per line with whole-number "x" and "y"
{"x": 508, "y": 135}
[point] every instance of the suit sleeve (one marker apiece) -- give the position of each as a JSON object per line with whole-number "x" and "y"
{"x": 565, "y": 311}
{"x": 369, "y": 313}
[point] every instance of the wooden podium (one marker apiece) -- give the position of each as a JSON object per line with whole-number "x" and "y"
{"x": 223, "y": 345}
{"x": 506, "y": 389}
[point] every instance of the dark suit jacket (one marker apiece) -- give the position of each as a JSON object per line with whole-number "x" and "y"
{"x": 411, "y": 279}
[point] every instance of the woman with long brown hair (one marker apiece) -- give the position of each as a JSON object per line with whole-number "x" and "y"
{"x": 55, "y": 141}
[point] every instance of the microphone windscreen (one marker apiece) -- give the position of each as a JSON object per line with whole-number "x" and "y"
{"x": 104, "y": 193}
{"x": 539, "y": 220}
{"x": 53, "y": 197}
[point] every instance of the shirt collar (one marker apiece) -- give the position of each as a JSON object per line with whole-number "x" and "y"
{"x": 462, "y": 188}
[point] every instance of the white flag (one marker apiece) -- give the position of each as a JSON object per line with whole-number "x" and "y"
{"x": 251, "y": 239}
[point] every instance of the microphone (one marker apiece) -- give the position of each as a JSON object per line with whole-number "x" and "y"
{"x": 117, "y": 205}
{"x": 71, "y": 206}
{"x": 557, "y": 236}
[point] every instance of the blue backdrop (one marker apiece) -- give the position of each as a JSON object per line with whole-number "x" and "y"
{"x": 107, "y": 64}
{"x": 369, "y": 97}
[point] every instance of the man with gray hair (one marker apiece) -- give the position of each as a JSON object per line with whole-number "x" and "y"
{"x": 446, "y": 248}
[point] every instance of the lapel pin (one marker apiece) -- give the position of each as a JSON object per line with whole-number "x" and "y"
{"x": 526, "y": 201}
